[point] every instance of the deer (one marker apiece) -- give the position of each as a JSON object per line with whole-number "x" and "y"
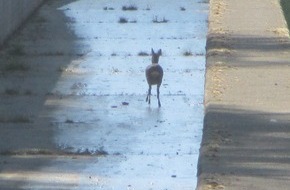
{"x": 154, "y": 75}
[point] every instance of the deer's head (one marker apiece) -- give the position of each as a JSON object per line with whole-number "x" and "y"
{"x": 155, "y": 56}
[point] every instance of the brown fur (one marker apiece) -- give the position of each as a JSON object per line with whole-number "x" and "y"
{"x": 154, "y": 75}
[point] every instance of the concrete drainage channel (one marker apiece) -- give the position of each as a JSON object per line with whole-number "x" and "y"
{"x": 76, "y": 78}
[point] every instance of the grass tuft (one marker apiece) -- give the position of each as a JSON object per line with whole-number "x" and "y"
{"x": 188, "y": 53}
{"x": 147, "y": 8}
{"x": 143, "y": 53}
{"x": 129, "y": 8}
{"x": 156, "y": 20}
{"x": 69, "y": 121}
{"x": 182, "y": 9}
{"x": 11, "y": 92}
{"x": 108, "y": 8}
{"x": 123, "y": 20}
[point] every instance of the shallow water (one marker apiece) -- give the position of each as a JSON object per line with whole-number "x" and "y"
{"x": 103, "y": 108}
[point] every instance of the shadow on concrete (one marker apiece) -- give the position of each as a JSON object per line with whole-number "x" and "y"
{"x": 250, "y": 42}
{"x": 245, "y": 143}
{"x": 31, "y": 65}
{"x": 44, "y": 46}
{"x": 253, "y": 51}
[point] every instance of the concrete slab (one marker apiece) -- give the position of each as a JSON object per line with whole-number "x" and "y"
{"x": 246, "y": 126}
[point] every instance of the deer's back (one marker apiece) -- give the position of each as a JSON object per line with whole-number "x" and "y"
{"x": 154, "y": 74}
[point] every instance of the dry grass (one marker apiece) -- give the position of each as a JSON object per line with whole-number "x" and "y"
{"x": 156, "y": 20}
{"x": 130, "y": 8}
{"x": 123, "y": 20}
{"x": 143, "y": 53}
{"x": 188, "y": 53}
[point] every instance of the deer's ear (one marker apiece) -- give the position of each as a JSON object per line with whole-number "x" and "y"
{"x": 160, "y": 52}
{"x": 152, "y": 51}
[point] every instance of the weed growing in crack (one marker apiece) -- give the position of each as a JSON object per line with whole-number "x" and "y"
{"x": 188, "y": 53}
{"x": 203, "y": 1}
{"x": 15, "y": 92}
{"x": 11, "y": 92}
{"x": 108, "y": 8}
{"x": 26, "y": 152}
{"x": 123, "y": 20}
{"x": 182, "y": 9}
{"x": 143, "y": 53}
{"x": 69, "y": 121}
{"x": 147, "y": 8}
{"x": 130, "y": 8}
{"x": 156, "y": 20}
{"x": 15, "y": 119}
{"x": 199, "y": 54}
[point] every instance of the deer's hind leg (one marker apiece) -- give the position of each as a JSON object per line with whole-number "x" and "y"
{"x": 148, "y": 98}
{"x": 158, "y": 92}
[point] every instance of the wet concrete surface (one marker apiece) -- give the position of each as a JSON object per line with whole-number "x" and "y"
{"x": 76, "y": 118}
